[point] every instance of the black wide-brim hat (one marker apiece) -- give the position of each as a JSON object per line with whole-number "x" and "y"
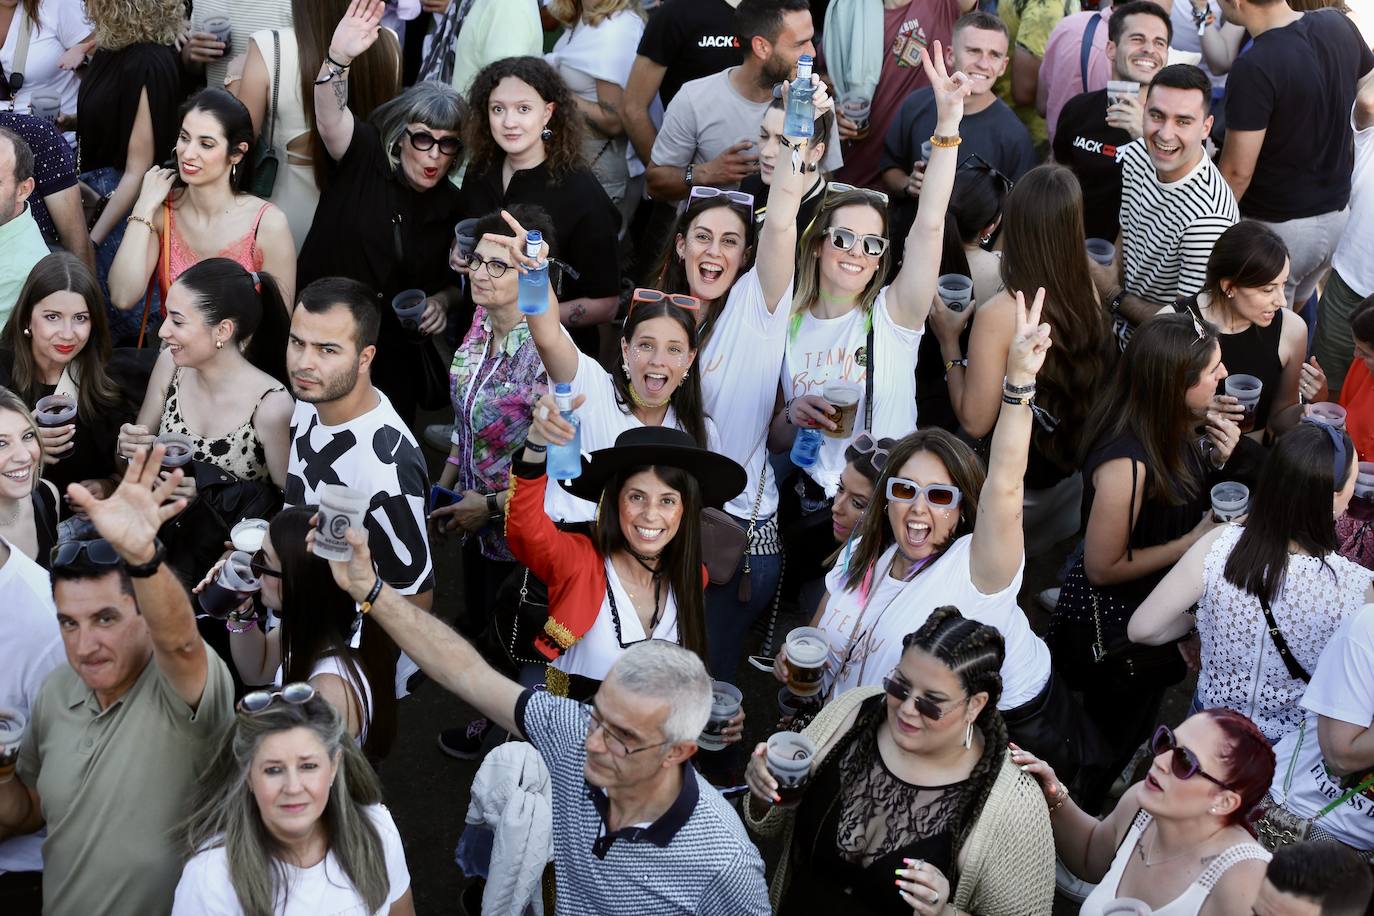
{"x": 719, "y": 478}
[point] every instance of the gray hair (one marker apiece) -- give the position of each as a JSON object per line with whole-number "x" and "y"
{"x": 661, "y": 670}
{"x": 432, "y": 103}
{"x": 225, "y": 814}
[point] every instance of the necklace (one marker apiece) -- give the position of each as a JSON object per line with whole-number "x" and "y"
{"x": 14, "y": 516}
{"x": 1173, "y": 858}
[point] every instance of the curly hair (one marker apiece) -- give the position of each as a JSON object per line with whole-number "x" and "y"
{"x": 592, "y": 12}
{"x": 975, "y": 653}
{"x": 120, "y": 23}
{"x": 562, "y": 152}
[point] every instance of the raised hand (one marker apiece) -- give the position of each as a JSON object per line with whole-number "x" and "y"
{"x": 1312, "y": 382}
{"x": 356, "y": 575}
{"x": 950, "y": 88}
{"x": 357, "y": 30}
{"x": 548, "y": 426}
{"x": 1032, "y": 341}
{"x": 516, "y": 244}
{"x": 132, "y": 515}
{"x": 157, "y": 184}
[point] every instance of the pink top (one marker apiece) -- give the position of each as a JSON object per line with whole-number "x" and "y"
{"x": 1060, "y": 69}
{"x": 179, "y": 257}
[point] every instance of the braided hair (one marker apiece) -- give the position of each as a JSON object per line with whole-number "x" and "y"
{"x": 973, "y": 651}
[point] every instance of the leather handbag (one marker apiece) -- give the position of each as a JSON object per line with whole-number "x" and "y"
{"x": 264, "y": 152}
{"x": 521, "y": 610}
{"x": 724, "y": 542}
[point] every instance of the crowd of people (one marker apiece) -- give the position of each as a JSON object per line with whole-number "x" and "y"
{"x": 732, "y": 313}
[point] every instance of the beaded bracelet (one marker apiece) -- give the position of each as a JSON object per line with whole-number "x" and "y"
{"x": 235, "y": 625}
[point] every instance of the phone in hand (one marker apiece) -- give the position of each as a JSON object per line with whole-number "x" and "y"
{"x": 440, "y": 497}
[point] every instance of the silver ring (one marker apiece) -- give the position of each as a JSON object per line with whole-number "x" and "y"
{"x": 934, "y": 897}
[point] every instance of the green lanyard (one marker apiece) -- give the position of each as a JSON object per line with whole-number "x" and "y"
{"x": 1349, "y": 793}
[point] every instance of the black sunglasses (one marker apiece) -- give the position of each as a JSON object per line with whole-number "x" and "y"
{"x": 1183, "y": 763}
{"x": 901, "y": 691}
{"x": 97, "y": 552}
{"x": 976, "y": 163}
{"x": 297, "y": 694}
{"x": 260, "y": 568}
{"x": 424, "y": 141}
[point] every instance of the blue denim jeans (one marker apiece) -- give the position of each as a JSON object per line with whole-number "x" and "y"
{"x": 123, "y": 325}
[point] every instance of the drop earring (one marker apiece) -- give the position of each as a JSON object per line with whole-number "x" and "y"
{"x": 546, "y": 135}
{"x": 625, "y": 367}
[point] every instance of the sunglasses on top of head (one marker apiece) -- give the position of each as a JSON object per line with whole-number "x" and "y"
{"x": 938, "y": 495}
{"x": 839, "y": 187}
{"x": 901, "y": 691}
{"x": 1183, "y": 763}
{"x": 706, "y": 192}
{"x": 258, "y": 701}
{"x": 423, "y": 141}
{"x": 976, "y": 163}
{"x": 848, "y": 239}
{"x": 646, "y": 295}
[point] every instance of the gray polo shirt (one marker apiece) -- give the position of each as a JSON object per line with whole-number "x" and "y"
{"x": 115, "y": 783}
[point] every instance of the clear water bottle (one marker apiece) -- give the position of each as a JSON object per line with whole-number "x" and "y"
{"x": 565, "y": 461}
{"x": 806, "y": 448}
{"x": 800, "y": 120}
{"x": 534, "y": 282}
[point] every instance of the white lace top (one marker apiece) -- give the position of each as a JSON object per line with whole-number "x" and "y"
{"x": 1188, "y": 903}
{"x": 1241, "y": 668}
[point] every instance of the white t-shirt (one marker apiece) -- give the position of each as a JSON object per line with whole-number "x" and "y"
{"x": 1342, "y": 687}
{"x": 828, "y": 349}
{"x": 1354, "y": 257}
{"x": 593, "y": 655}
{"x": 362, "y": 690}
{"x": 30, "y": 648}
{"x": 898, "y": 608}
{"x": 739, "y": 369}
{"x": 322, "y": 890}
{"x": 62, "y": 25}
{"x": 602, "y": 421}
{"x": 585, "y": 53}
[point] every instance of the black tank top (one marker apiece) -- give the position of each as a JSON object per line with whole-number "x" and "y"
{"x": 1253, "y": 351}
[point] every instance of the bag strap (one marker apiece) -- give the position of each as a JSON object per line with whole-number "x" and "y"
{"x": 1295, "y": 668}
{"x": 868, "y": 375}
{"x": 1336, "y": 803}
{"x": 276, "y": 83}
{"x": 163, "y": 268}
{"x": 1086, "y": 50}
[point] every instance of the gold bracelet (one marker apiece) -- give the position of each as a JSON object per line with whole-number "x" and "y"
{"x": 945, "y": 142}
{"x": 138, "y": 219}
{"x": 1063, "y": 797}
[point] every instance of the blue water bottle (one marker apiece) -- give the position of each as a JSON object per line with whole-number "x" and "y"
{"x": 565, "y": 461}
{"x": 801, "y": 114}
{"x": 534, "y": 282}
{"x": 806, "y": 448}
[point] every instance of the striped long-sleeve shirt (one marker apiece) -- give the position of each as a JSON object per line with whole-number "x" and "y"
{"x": 1168, "y": 228}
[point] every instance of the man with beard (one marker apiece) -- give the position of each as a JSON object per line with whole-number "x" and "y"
{"x": 345, "y": 431}
{"x": 21, "y": 241}
{"x": 1093, "y": 129}
{"x": 706, "y": 137}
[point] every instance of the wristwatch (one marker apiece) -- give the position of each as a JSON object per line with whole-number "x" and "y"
{"x": 687, "y": 174}
{"x": 494, "y": 512}
{"x": 149, "y": 569}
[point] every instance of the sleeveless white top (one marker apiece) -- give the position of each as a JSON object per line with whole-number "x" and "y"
{"x": 1188, "y": 903}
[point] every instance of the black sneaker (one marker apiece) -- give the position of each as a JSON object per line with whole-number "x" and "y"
{"x": 465, "y": 742}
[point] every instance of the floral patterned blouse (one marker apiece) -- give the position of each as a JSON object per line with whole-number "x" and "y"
{"x": 493, "y": 395}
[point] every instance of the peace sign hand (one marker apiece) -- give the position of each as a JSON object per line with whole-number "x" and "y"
{"x": 357, "y": 30}
{"x": 950, "y": 89}
{"x": 1032, "y": 340}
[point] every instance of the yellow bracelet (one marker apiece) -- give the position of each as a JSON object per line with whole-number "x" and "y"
{"x": 945, "y": 142}
{"x": 138, "y": 219}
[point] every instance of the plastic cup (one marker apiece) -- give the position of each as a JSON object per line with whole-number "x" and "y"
{"x": 956, "y": 290}
{"x": 1126, "y": 906}
{"x": 12, "y": 725}
{"x": 725, "y": 703}
{"x": 1362, "y": 503}
{"x": 47, "y": 106}
{"x": 409, "y": 306}
{"x": 789, "y": 759}
{"x": 179, "y": 450}
{"x": 55, "y": 410}
{"x": 1101, "y": 251}
{"x": 464, "y": 243}
{"x": 807, "y": 648}
{"x": 926, "y": 147}
{"x": 222, "y": 29}
{"x": 234, "y": 583}
{"x": 1117, "y": 90}
{"x": 1330, "y": 413}
{"x": 858, "y": 110}
{"x": 249, "y": 534}
{"x": 1230, "y": 500}
{"x": 341, "y": 508}
{"x": 843, "y": 399}
{"x": 1246, "y": 389}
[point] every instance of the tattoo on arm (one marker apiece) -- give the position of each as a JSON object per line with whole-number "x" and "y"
{"x": 340, "y": 84}
{"x": 576, "y": 314}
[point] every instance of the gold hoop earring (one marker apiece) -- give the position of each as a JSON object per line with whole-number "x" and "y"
{"x": 968, "y": 735}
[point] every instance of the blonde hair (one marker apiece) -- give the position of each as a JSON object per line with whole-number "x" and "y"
{"x": 15, "y": 404}
{"x": 592, "y": 12}
{"x": 120, "y": 23}
{"x": 808, "y": 282}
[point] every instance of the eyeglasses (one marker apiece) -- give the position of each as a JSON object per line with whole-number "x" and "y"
{"x": 976, "y": 163}
{"x": 260, "y": 568}
{"x": 901, "y": 691}
{"x": 839, "y": 187}
{"x": 97, "y": 552}
{"x": 496, "y": 268}
{"x": 847, "y": 239}
{"x": 614, "y": 743}
{"x": 868, "y": 448}
{"x": 1184, "y": 763}
{"x": 706, "y": 192}
{"x": 681, "y": 300}
{"x": 939, "y": 495}
{"x": 423, "y": 141}
{"x": 257, "y": 702}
